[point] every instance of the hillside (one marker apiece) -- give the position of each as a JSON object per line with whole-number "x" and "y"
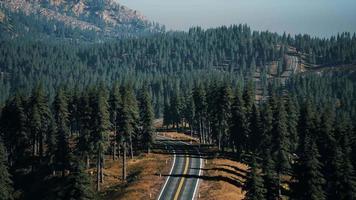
{"x": 76, "y": 19}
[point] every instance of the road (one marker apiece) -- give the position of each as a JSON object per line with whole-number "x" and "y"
{"x": 182, "y": 182}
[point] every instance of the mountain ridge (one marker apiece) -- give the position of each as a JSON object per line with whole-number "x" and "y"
{"x": 106, "y": 18}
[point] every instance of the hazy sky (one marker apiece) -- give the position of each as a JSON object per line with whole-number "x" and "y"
{"x": 316, "y": 17}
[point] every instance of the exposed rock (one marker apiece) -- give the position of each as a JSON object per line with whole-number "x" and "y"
{"x": 105, "y": 16}
{"x": 2, "y": 16}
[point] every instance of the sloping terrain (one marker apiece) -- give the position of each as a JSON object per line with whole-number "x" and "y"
{"x": 84, "y": 19}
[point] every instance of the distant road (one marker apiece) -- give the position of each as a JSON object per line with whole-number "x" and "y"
{"x": 182, "y": 182}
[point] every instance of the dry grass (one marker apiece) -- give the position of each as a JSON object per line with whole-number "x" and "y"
{"x": 180, "y": 136}
{"x": 143, "y": 181}
{"x": 223, "y": 179}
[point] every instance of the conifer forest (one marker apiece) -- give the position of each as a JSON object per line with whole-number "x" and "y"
{"x": 74, "y": 102}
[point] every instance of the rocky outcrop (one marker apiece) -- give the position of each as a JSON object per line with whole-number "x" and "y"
{"x": 105, "y": 16}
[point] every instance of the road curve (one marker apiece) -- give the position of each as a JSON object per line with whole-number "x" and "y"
{"x": 182, "y": 182}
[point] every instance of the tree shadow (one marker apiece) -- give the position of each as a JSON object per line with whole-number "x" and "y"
{"x": 232, "y": 181}
{"x": 232, "y": 172}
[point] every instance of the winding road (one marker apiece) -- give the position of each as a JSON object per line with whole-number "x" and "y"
{"x": 183, "y": 180}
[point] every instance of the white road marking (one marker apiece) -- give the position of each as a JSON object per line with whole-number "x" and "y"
{"x": 170, "y": 173}
{"x": 200, "y": 171}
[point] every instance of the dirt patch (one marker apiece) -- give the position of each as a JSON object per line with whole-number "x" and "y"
{"x": 143, "y": 181}
{"x": 222, "y": 179}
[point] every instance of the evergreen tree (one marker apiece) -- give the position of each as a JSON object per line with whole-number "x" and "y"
{"x": 200, "y": 104}
{"x": 224, "y": 115}
{"x": 6, "y": 190}
{"x": 13, "y": 124}
{"x": 308, "y": 181}
{"x": 85, "y": 144}
{"x": 249, "y": 98}
{"x": 292, "y": 123}
{"x": 254, "y": 183}
{"x": 100, "y": 132}
{"x": 61, "y": 117}
{"x": 255, "y": 141}
{"x": 78, "y": 185}
{"x": 189, "y": 113}
{"x": 270, "y": 176}
{"x": 239, "y": 125}
{"x": 280, "y": 141}
{"x": 346, "y": 186}
{"x": 176, "y": 108}
{"x": 267, "y": 125}
{"x": 40, "y": 120}
{"x": 146, "y": 119}
{"x": 127, "y": 124}
{"x": 115, "y": 103}
{"x": 167, "y": 117}
{"x": 52, "y": 146}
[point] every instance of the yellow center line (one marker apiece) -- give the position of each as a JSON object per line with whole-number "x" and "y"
{"x": 182, "y": 179}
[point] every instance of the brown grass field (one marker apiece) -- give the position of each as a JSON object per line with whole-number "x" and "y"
{"x": 144, "y": 181}
{"x": 223, "y": 179}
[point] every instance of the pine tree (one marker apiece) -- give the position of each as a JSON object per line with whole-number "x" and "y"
{"x": 146, "y": 119}
{"x": 100, "y": 130}
{"x": 6, "y": 190}
{"x": 127, "y": 124}
{"x": 78, "y": 185}
{"x": 13, "y": 124}
{"x": 189, "y": 113}
{"x": 292, "y": 123}
{"x": 61, "y": 117}
{"x": 308, "y": 181}
{"x": 200, "y": 104}
{"x": 254, "y": 183}
{"x": 267, "y": 126}
{"x": 224, "y": 115}
{"x": 176, "y": 109}
{"x": 115, "y": 103}
{"x": 167, "y": 117}
{"x": 255, "y": 141}
{"x": 239, "y": 131}
{"x": 40, "y": 120}
{"x": 270, "y": 176}
{"x": 249, "y": 98}
{"x": 85, "y": 144}
{"x": 280, "y": 147}
{"x": 52, "y": 146}
{"x": 347, "y": 181}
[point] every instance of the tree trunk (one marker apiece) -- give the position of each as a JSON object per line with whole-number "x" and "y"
{"x": 34, "y": 147}
{"x": 118, "y": 151}
{"x": 219, "y": 139}
{"x": 41, "y": 147}
{"x": 200, "y": 132}
{"x": 87, "y": 161}
{"x": 279, "y": 186}
{"x": 131, "y": 149}
{"x": 114, "y": 145}
{"x": 114, "y": 151}
{"x": 98, "y": 172}
{"x": 124, "y": 162}
{"x": 102, "y": 164}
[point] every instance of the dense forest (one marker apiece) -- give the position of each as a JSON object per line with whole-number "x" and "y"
{"x": 164, "y": 62}
{"x": 66, "y": 105}
{"x": 300, "y": 140}
{"x": 49, "y": 145}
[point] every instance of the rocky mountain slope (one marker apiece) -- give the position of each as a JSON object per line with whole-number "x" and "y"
{"x": 86, "y": 19}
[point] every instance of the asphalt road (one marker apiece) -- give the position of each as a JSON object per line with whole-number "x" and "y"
{"x": 183, "y": 180}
